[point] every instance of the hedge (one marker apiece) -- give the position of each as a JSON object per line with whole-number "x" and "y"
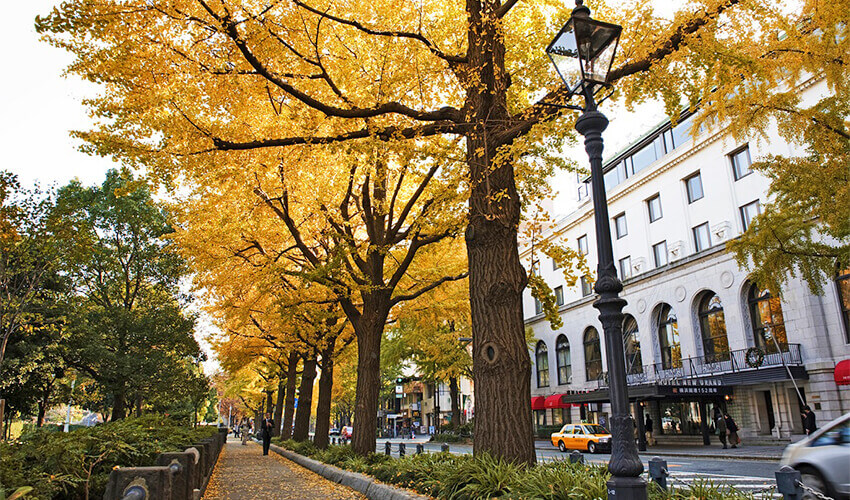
{"x": 76, "y": 465}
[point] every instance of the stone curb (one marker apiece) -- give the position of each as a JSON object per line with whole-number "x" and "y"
{"x": 762, "y": 458}
{"x": 358, "y": 482}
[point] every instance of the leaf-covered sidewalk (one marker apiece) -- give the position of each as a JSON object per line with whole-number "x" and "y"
{"x": 243, "y": 473}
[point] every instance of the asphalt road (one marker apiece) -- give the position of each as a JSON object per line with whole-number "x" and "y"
{"x": 735, "y": 470}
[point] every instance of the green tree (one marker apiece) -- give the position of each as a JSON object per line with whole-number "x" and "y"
{"x": 128, "y": 329}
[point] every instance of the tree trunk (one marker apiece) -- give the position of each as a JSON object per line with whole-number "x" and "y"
{"x": 367, "y": 391}
{"x": 289, "y": 402}
{"x": 501, "y": 362}
{"x": 454, "y": 395}
{"x": 323, "y": 408}
{"x": 139, "y": 404}
{"x": 269, "y": 403}
{"x": 42, "y": 409}
{"x": 301, "y": 432}
{"x": 2, "y": 418}
{"x": 118, "y": 405}
{"x": 278, "y": 405}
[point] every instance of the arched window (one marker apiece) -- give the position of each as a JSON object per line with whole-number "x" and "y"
{"x": 768, "y": 323}
{"x": 592, "y": 354}
{"x": 842, "y": 281}
{"x": 712, "y": 323}
{"x": 668, "y": 338}
{"x": 562, "y": 355}
{"x": 631, "y": 346}
{"x": 542, "y": 356}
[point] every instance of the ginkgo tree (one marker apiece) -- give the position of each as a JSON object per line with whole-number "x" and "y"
{"x": 204, "y": 89}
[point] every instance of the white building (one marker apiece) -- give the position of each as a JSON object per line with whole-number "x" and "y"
{"x": 698, "y": 333}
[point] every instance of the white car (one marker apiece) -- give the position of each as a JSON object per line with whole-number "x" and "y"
{"x": 823, "y": 459}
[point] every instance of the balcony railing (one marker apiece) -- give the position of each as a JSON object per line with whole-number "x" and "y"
{"x": 742, "y": 360}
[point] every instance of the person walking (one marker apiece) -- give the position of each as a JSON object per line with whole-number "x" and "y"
{"x": 809, "y": 422}
{"x": 268, "y": 425}
{"x": 647, "y": 426}
{"x": 245, "y": 431}
{"x": 720, "y": 427}
{"x": 732, "y": 427}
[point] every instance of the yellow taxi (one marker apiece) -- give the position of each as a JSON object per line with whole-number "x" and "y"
{"x": 590, "y": 437}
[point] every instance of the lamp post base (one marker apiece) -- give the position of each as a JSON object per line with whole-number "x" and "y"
{"x": 626, "y": 488}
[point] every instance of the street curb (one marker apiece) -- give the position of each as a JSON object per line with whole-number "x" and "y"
{"x": 358, "y": 482}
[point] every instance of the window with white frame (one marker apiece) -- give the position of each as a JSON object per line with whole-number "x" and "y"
{"x": 748, "y": 213}
{"x": 659, "y": 252}
{"x": 586, "y": 289}
{"x": 626, "y": 267}
{"x": 702, "y": 237}
{"x": 741, "y": 162}
{"x": 653, "y": 206}
{"x": 694, "y": 187}
{"x": 620, "y": 227}
{"x": 559, "y": 295}
{"x": 582, "y": 245}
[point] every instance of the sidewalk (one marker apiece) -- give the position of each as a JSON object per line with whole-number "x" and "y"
{"x": 243, "y": 473}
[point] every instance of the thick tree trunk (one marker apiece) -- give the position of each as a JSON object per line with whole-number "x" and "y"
{"x": 305, "y": 399}
{"x": 501, "y": 362}
{"x": 454, "y": 394}
{"x": 278, "y": 405}
{"x": 369, "y": 332}
{"x": 289, "y": 402}
{"x": 42, "y": 409}
{"x": 323, "y": 408}
{"x": 118, "y": 406}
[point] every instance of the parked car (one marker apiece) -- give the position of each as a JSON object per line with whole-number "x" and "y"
{"x": 589, "y": 437}
{"x": 823, "y": 459}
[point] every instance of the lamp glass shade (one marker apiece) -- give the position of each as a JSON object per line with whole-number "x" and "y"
{"x": 592, "y": 42}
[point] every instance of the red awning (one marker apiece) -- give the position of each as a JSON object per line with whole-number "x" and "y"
{"x": 842, "y": 372}
{"x": 537, "y": 403}
{"x": 556, "y": 401}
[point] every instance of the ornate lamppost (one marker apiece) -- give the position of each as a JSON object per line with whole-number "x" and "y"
{"x": 594, "y": 44}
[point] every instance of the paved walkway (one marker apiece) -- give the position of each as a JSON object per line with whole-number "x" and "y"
{"x": 243, "y": 473}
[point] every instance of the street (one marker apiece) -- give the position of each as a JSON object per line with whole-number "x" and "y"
{"x": 744, "y": 474}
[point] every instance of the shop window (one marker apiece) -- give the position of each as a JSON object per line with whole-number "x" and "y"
{"x": 631, "y": 346}
{"x": 542, "y": 358}
{"x": 592, "y": 354}
{"x": 540, "y": 417}
{"x": 767, "y": 319}
{"x": 668, "y": 338}
{"x": 562, "y": 356}
{"x": 715, "y": 343}
{"x": 843, "y": 284}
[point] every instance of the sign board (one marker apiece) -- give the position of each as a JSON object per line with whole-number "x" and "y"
{"x": 399, "y": 389}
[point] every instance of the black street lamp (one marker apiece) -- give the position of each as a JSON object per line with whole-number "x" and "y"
{"x": 594, "y": 43}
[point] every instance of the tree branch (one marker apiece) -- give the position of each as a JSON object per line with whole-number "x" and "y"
{"x": 410, "y": 296}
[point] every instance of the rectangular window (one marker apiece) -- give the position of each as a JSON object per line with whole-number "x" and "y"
{"x": 559, "y": 295}
{"x": 555, "y": 265}
{"x": 538, "y": 306}
{"x": 626, "y": 267}
{"x": 582, "y": 245}
{"x": 620, "y": 227}
{"x": 702, "y": 237}
{"x": 585, "y": 287}
{"x": 748, "y": 213}
{"x": 654, "y": 206}
{"x": 741, "y": 163}
{"x": 668, "y": 141}
{"x": 659, "y": 251}
{"x": 643, "y": 158}
{"x": 694, "y": 185}
{"x": 682, "y": 132}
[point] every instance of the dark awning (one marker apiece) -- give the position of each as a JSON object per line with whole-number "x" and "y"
{"x": 654, "y": 391}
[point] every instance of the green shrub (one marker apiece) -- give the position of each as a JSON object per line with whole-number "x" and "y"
{"x": 63, "y": 465}
{"x": 447, "y": 437}
{"x": 545, "y": 431}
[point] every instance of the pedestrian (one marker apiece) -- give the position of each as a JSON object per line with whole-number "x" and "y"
{"x": 268, "y": 425}
{"x": 732, "y": 427}
{"x": 647, "y": 426}
{"x": 245, "y": 431}
{"x": 720, "y": 427}
{"x": 809, "y": 423}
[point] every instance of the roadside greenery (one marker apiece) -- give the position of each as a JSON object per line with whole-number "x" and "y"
{"x": 76, "y": 465}
{"x": 467, "y": 477}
